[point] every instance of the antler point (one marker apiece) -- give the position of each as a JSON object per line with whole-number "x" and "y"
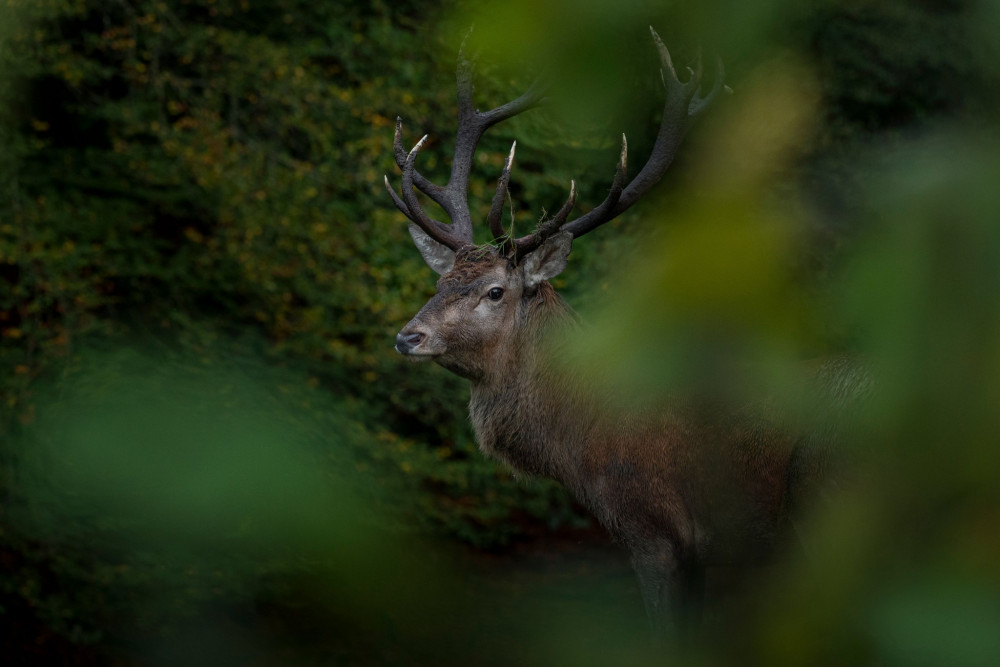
{"x": 419, "y": 144}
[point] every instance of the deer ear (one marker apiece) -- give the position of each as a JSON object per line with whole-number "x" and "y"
{"x": 547, "y": 260}
{"x": 438, "y": 256}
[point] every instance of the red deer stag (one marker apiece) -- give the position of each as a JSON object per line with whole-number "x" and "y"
{"x": 678, "y": 489}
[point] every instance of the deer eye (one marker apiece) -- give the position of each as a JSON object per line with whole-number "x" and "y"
{"x": 495, "y": 294}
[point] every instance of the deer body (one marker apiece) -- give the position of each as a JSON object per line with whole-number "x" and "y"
{"x": 681, "y": 487}
{"x": 718, "y": 489}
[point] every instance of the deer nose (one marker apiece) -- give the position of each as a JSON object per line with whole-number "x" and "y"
{"x": 406, "y": 342}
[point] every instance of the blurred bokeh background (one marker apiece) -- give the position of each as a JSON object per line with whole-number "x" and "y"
{"x": 211, "y": 454}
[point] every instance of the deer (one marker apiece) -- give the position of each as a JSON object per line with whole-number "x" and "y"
{"x": 682, "y": 488}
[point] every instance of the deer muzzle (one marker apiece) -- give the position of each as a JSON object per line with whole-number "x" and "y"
{"x": 408, "y": 342}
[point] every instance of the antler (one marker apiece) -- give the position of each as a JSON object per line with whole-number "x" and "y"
{"x": 453, "y": 197}
{"x": 684, "y": 104}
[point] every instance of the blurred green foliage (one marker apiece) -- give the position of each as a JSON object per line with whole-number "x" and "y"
{"x": 152, "y": 484}
{"x": 193, "y": 170}
{"x": 729, "y": 297}
{"x": 191, "y": 184}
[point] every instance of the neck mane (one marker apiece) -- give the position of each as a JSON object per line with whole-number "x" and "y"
{"x": 528, "y": 415}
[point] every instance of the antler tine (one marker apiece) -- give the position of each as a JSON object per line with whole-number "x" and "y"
{"x": 532, "y": 97}
{"x": 676, "y": 90}
{"x": 700, "y": 103}
{"x": 430, "y": 189}
{"x": 559, "y": 219}
{"x": 439, "y": 231}
{"x": 547, "y": 228}
{"x": 603, "y": 212}
{"x": 464, "y": 71}
{"x": 396, "y": 200}
{"x": 495, "y": 217}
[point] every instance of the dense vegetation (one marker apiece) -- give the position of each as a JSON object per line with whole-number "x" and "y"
{"x": 194, "y": 229}
{"x": 199, "y": 168}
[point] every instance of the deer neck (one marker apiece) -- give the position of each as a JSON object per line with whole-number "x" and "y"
{"x": 524, "y": 414}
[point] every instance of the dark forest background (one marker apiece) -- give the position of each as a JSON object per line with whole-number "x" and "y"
{"x": 203, "y": 422}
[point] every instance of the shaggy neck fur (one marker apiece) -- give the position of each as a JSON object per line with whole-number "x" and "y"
{"x": 527, "y": 414}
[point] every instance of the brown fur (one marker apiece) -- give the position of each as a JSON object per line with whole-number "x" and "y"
{"x": 682, "y": 488}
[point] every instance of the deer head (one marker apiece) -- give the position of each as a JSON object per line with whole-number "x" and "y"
{"x": 488, "y": 296}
